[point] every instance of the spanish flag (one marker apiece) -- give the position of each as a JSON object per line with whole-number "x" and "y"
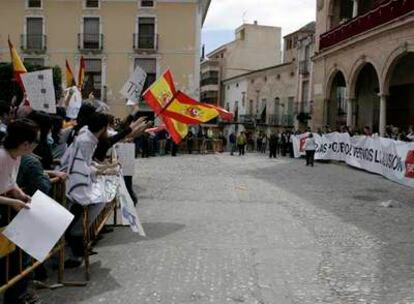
{"x": 82, "y": 68}
{"x": 70, "y": 78}
{"x": 187, "y": 110}
{"x": 158, "y": 96}
{"x": 18, "y": 66}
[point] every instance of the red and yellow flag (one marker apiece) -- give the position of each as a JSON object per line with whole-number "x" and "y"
{"x": 70, "y": 78}
{"x": 187, "y": 110}
{"x": 82, "y": 68}
{"x": 157, "y": 96}
{"x": 18, "y": 66}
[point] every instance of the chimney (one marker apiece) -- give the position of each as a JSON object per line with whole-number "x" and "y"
{"x": 203, "y": 51}
{"x": 255, "y": 22}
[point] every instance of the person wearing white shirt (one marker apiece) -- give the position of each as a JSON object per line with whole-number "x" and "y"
{"x": 310, "y": 148}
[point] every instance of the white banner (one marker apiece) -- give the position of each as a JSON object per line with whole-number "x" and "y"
{"x": 126, "y": 157}
{"x": 40, "y": 90}
{"x": 133, "y": 87}
{"x": 389, "y": 158}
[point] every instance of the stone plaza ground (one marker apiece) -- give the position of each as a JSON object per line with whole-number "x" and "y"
{"x": 225, "y": 229}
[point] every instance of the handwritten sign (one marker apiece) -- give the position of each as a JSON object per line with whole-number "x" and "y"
{"x": 133, "y": 87}
{"x": 40, "y": 90}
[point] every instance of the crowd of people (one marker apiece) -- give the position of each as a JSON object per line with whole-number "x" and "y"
{"x": 37, "y": 146}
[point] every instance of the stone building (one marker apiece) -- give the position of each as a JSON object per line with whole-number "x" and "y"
{"x": 364, "y": 64}
{"x": 272, "y": 97}
{"x": 255, "y": 47}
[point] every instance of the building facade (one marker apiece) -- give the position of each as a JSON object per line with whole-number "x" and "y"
{"x": 255, "y": 47}
{"x": 276, "y": 96}
{"x": 113, "y": 36}
{"x": 363, "y": 66}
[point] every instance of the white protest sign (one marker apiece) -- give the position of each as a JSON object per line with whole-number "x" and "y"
{"x": 40, "y": 90}
{"x": 133, "y": 87}
{"x": 126, "y": 157}
{"x": 38, "y": 229}
{"x": 129, "y": 214}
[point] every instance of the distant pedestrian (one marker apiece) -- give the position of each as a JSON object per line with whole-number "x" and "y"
{"x": 232, "y": 141}
{"x": 264, "y": 144}
{"x": 241, "y": 143}
{"x": 190, "y": 142}
{"x": 273, "y": 142}
{"x": 310, "y": 148}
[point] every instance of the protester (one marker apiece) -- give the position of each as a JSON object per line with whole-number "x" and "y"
{"x": 264, "y": 144}
{"x": 310, "y": 148}
{"x": 22, "y": 137}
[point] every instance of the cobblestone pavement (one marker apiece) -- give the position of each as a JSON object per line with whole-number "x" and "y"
{"x": 225, "y": 229}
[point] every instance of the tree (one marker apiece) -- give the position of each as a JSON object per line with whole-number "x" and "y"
{"x": 9, "y": 88}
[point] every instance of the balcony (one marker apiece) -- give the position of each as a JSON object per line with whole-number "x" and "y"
{"x": 33, "y": 43}
{"x": 273, "y": 120}
{"x": 90, "y": 42}
{"x": 209, "y": 81}
{"x": 383, "y": 14}
{"x": 145, "y": 43}
{"x": 304, "y": 67}
{"x": 247, "y": 119}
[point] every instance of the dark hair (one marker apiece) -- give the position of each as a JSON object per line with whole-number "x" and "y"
{"x": 44, "y": 121}
{"x": 85, "y": 112}
{"x": 97, "y": 122}
{"x": 310, "y": 135}
{"x": 20, "y": 131}
{"x": 4, "y": 108}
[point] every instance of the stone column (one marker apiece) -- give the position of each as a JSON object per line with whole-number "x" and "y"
{"x": 383, "y": 114}
{"x": 355, "y": 9}
{"x": 350, "y": 112}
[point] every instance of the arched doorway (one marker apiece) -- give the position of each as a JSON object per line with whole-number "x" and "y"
{"x": 367, "y": 101}
{"x": 337, "y": 103}
{"x": 400, "y": 105}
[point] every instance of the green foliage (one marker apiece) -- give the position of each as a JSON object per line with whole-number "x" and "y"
{"x": 9, "y": 88}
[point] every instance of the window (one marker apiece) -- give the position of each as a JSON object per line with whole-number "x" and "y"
{"x": 146, "y": 33}
{"x": 149, "y": 65}
{"x": 237, "y": 85}
{"x": 228, "y": 87}
{"x": 265, "y": 79}
{"x": 93, "y": 77}
{"x": 34, "y": 3}
{"x": 91, "y": 33}
{"x": 34, "y": 61}
{"x": 92, "y": 4}
{"x": 34, "y": 39}
{"x": 147, "y": 3}
{"x": 252, "y": 81}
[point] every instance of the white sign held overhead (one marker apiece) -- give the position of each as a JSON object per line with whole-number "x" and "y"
{"x": 38, "y": 229}
{"x": 40, "y": 90}
{"x": 133, "y": 87}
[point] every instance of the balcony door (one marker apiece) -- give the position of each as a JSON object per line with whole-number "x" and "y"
{"x": 91, "y": 33}
{"x": 34, "y": 33}
{"x": 146, "y": 32}
{"x": 93, "y": 78}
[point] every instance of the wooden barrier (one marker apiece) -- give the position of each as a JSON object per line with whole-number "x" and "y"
{"x": 11, "y": 252}
{"x": 91, "y": 231}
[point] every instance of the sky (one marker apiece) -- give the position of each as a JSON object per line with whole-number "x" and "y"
{"x": 224, "y": 16}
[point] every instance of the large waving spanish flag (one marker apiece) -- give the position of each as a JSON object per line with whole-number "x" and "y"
{"x": 70, "y": 78}
{"x": 158, "y": 96}
{"x": 18, "y": 66}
